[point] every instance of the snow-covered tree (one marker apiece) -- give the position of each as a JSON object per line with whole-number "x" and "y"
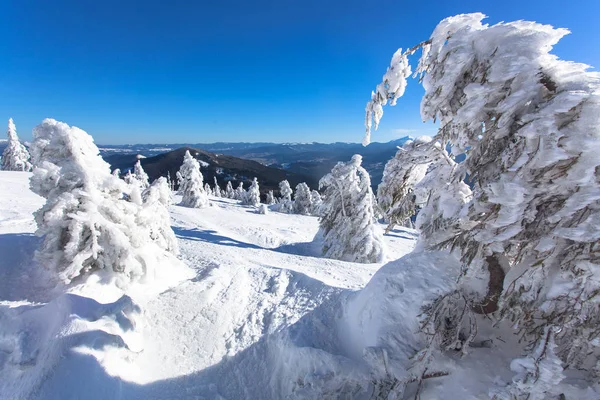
{"x": 170, "y": 182}
{"x": 285, "y": 201}
{"x": 348, "y": 223}
{"x": 86, "y": 223}
{"x": 154, "y": 215}
{"x": 191, "y": 186}
{"x": 116, "y": 173}
{"x": 252, "y": 196}
{"x": 271, "y": 198}
{"x": 528, "y": 125}
{"x": 207, "y": 189}
{"x": 229, "y": 192}
{"x": 316, "y": 203}
{"x": 216, "y": 189}
{"x": 240, "y": 192}
{"x": 129, "y": 178}
{"x": 15, "y": 156}
{"x": 302, "y": 199}
{"x": 140, "y": 175}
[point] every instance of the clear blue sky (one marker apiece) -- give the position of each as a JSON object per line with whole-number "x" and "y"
{"x": 245, "y": 70}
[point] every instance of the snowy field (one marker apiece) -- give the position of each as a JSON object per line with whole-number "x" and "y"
{"x": 251, "y": 312}
{"x": 248, "y": 277}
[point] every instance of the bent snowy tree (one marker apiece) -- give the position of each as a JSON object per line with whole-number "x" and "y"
{"x": 528, "y": 125}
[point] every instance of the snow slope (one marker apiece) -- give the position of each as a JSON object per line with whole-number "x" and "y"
{"x": 251, "y": 312}
{"x": 249, "y": 278}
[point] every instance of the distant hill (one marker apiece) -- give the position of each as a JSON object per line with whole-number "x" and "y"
{"x": 309, "y": 160}
{"x": 224, "y": 167}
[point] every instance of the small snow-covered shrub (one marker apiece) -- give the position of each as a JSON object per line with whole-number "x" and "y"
{"x": 15, "y": 156}
{"x": 348, "y": 222}
{"x": 263, "y": 209}
{"x": 190, "y": 184}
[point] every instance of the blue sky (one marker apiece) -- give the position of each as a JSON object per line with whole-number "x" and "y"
{"x": 198, "y": 71}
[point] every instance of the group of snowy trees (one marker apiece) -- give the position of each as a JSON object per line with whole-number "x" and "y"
{"x": 522, "y": 211}
{"x": 15, "y": 156}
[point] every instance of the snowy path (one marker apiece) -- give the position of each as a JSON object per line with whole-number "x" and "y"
{"x": 252, "y": 276}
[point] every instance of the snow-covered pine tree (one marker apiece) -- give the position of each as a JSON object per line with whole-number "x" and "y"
{"x": 229, "y": 192}
{"x": 528, "y": 124}
{"x": 240, "y": 192}
{"x": 154, "y": 215}
{"x": 302, "y": 199}
{"x": 216, "y": 189}
{"x": 207, "y": 189}
{"x": 86, "y": 224}
{"x": 285, "y": 204}
{"x": 116, "y": 173}
{"x": 191, "y": 186}
{"x": 270, "y": 198}
{"x": 179, "y": 181}
{"x": 170, "y": 182}
{"x": 15, "y": 156}
{"x": 348, "y": 224}
{"x": 252, "y": 196}
{"x": 140, "y": 175}
{"x": 316, "y": 203}
{"x": 129, "y": 178}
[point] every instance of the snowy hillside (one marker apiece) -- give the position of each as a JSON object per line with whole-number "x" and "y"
{"x": 248, "y": 276}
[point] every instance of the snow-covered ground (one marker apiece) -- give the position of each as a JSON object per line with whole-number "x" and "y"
{"x": 249, "y": 278}
{"x": 251, "y": 312}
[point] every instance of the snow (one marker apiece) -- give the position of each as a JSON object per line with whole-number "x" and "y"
{"x": 249, "y": 276}
{"x": 256, "y": 313}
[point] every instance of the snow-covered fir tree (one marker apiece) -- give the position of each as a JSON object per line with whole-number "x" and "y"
{"x": 216, "y": 189}
{"x": 270, "y": 198}
{"x": 15, "y": 156}
{"x": 240, "y": 192}
{"x": 252, "y": 196}
{"x": 528, "y": 125}
{"x": 316, "y": 203}
{"x": 285, "y": 203}
{"x": 170, "y": 182}
{"x": 154, "y": 215}
{"x": 86, "y": 223}
{"x": 347, "y": 224}
{"x": 302, "y": 199}
{"x": 129, "y": 178}
{"x": 207, "y": 189}
{"x": 116, "y": 173}
{"x": 229, "y": 192}
{"x": 140, "y": 175}
{"x": 191, "y": 186}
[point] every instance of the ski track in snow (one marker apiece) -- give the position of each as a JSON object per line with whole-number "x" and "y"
{"x": 254, "y": 275}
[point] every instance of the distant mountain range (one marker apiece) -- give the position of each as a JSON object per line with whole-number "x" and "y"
{"x": 269, "y": 162}
{"x": 223, "y": 167}
{"x": 309, "y": 161}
